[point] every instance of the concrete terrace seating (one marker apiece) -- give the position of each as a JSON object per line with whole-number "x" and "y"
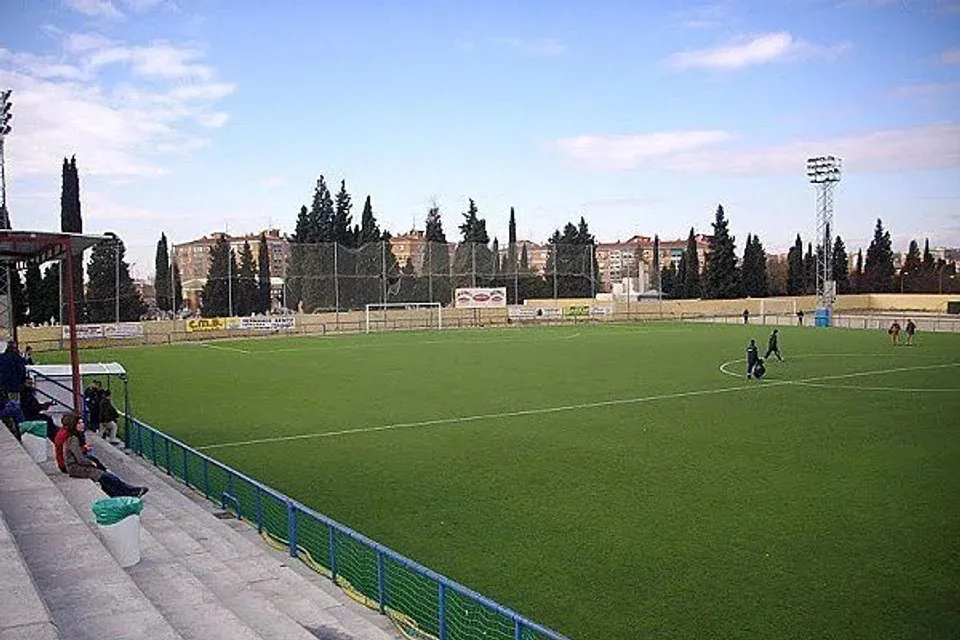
{"x": 23, "y": 614}
{"x": 200, "y": 576}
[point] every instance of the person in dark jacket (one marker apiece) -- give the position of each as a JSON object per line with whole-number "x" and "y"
{"x": 773, "y": 345}
{"x": 33, "y": 409}
{"x": 753, "y": 356}
{"x": 108, "y": 418}
{"x": 10, "y": 413}
{"x": 80, "y": 466}
{"x": 13, "y": 369}
{"x": 93, "y": 396}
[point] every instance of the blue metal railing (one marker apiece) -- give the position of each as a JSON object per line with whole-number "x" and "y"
{"x": 420, "y": 601}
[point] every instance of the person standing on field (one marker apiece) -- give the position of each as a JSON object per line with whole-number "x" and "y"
{"x": 773, "y": 346}
{"x": 753, "y": 356}
{"x": 894, "y": 332}
{"x": 910, "y": 330}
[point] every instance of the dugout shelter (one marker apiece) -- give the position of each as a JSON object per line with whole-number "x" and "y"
{"x": 20, "y": 249}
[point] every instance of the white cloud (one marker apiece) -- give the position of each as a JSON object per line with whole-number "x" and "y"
{"x": 927, "y": 90}
{"x": 536, "y": 46}
{"x": 950, "y": 56}
{"x": 911, "y": 149}
{"x": 917, "y": 148}
{"x": 274, "y": 181}
{"x": 629, "y": 151}
{"x": 119, "y": 129}
{"x": 95, "y": 8}
{"x": 760, "y": 49}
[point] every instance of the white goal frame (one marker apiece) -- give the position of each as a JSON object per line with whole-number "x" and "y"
{"x": 384, "y": 306}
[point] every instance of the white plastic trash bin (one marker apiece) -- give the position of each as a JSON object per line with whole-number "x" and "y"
{"x": 36, "y": 447}
{"x": 122, "y": 540}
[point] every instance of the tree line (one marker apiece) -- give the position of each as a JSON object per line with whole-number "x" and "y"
{"x": 338, "y": 264}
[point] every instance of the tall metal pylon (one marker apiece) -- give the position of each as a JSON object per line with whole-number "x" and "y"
{"x": 824, "y": 173}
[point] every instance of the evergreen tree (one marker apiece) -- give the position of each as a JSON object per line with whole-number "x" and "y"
{"x": 437, "y": 261}
{"x": 71, "y": 221}
{"x": 858, "y": 283}
{"x": 754, "y": 271}
{"x": 569, "y": 270}
{"x": 777, "y": 276}
{"x": 928, "y": 262}
{"x": 215, "y": 297}
{"x": 668, "y": 281}
{"x": 245, "y": 292}
{"x": 796, "y": 276}
{"x": 49, "y": 307}
{"x": 841, "y": 266}
{"x": 342, "y": 232}
{"x": 721, "y": 280}
{"x": 496, "y": 259}
{"x": 473, "y": 260}
{"x": 34, "y": 296}
{"x": 102, "y": 301}
{"x": 264, "y": 296}
{"x": 510, "y": 264}
{"x": 161, "y": 281}
{"x": 177, "y": 288}
{"x": 913, "y": 261}
{"x": 809, "y": 271}
{"x": 655, "y": 268}
{"x": 373, "y": 261}
{"x": 524, "y": 260}
{"x": 18, "y": 297}
{"x": 878, "y": 268}
{"x": 690, "y": 263}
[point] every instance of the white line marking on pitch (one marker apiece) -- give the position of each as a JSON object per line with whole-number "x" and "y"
{"x": 219, "y": 347}
{"x": 546, "y": 410}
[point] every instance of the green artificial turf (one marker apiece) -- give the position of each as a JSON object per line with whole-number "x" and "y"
{"x": 681, "y": 502}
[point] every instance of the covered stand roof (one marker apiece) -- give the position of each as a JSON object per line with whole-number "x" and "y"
{"x": 23, "y": 248}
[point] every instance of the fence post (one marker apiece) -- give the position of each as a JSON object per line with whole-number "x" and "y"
{"x": 186, "y": 479}
{"x": 166, "y": 449}
{"x": 333, "y": 553}
{"x": 292, "y": 528}
{"x": 206, "y": 478}
{"x": 381, "y": 586}
{"x": 259, "y": 509}
{"x": 153, "y": 446}
{"x": 517, "y": 629}
{"x": 442, "y": 611}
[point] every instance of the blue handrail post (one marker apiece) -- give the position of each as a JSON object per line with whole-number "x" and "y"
{"x": 292, "y": 528}
{"x": 153, "y": 446}
{"x": 206, "y": 477}
{"x": 166, "y": 449}
{"x": 259, "y": 508}
{"x": 442, "y": 611}
{"x": 333, "y": 553}
{"x": 381, "y": 579}
{"x": 186, "y": 480}
{"x": 517, "y": 629}
{"x": 126, "y": 412}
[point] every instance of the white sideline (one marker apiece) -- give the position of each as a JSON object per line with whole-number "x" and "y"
{"x": 572, "y": 407}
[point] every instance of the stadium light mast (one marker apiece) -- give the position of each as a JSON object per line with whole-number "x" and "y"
{"x": 824, "y": 174}
{"x": 5, "y": 117}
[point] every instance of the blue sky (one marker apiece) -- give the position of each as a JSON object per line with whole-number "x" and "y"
{"x": 189, "y": 116}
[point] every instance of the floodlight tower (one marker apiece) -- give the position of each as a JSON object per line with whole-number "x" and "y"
{"x": 5, "y": 117}
{"x": 824, "y": 173}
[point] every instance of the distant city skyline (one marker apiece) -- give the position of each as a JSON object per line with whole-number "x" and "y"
{"x": 188, "y": 118}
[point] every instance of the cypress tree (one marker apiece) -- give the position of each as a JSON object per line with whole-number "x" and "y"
{"x": 161, "y": 281}
{"x": 437, "y": 260}
{"x": 71, "y": 221}
{"x": 796, "y": 277}
{"x": 657, "y": 282}
{"x": 177, "y": 288}
{"x": 215, "y": 297}
{"x": 841, "y": 266}
{"x": 245, "y": 292}
{"x": 102, "y": 301}
{"x": 809, "y": 271}
{"x": 754, "y": 271}
{"x": 690, "y": 263}
{"x": 472, "y": 259}
{"x": 928, "y": 262}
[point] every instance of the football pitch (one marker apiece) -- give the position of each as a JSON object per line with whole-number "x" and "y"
{"x": 615, "y": 481}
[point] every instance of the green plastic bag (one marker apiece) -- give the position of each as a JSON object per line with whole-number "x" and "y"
{"x": 34, "y": 427}
{"x": 113, "y": 510}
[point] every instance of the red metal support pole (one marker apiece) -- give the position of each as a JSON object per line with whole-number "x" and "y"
{"x": 72, "y": 321}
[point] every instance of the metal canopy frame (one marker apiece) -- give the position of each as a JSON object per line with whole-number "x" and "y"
{"x": 20, "y": 249}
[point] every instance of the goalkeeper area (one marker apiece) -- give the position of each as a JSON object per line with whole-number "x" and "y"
{"x": 609, "y": 481}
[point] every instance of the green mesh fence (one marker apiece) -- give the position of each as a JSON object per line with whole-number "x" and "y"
{"x": 366, "y": 571}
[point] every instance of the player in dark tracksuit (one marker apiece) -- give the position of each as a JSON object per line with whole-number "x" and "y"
{"x": 773, "y": 346}
{"x": 753, "y": 357}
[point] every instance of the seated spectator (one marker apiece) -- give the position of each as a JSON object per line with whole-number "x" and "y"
{"x": 10, "y": 413}
{"x": 28, "y": 356}
{"x": 108, "y": 418}
{"x": 80, "y": 465}
{"x": 33, "y": 409}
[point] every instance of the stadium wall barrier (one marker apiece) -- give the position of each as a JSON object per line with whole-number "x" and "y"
{"x": 49, "y": 338}
{"x": 422, "y": 603}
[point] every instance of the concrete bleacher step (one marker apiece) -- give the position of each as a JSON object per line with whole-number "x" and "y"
{"x": 87, "y": 594}
{"x": 23, "y": 614}
{"x": 186, "y": 603}
{"x": 262, "y": 586}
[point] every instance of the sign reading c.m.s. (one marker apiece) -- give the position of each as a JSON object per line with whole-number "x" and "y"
{"x": 206, "y": 324}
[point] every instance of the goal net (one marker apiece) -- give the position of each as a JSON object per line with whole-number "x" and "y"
{"x": 391, "y": 316}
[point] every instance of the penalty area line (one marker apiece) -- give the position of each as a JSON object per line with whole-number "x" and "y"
{"x": 219, "y": 347}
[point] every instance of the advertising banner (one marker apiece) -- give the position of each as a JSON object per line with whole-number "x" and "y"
{"x": 601, "y": 311}
{"x": 100, "y": 331}
{"x": 580, "y": 311}
{"x": 515, "y": 312}
{"x": 193, "y": 325}
{"x": 261, "y": 323}
{"x": 481, "y": 298}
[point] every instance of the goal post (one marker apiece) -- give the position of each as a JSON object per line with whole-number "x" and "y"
{"x": 386, "y": 316}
